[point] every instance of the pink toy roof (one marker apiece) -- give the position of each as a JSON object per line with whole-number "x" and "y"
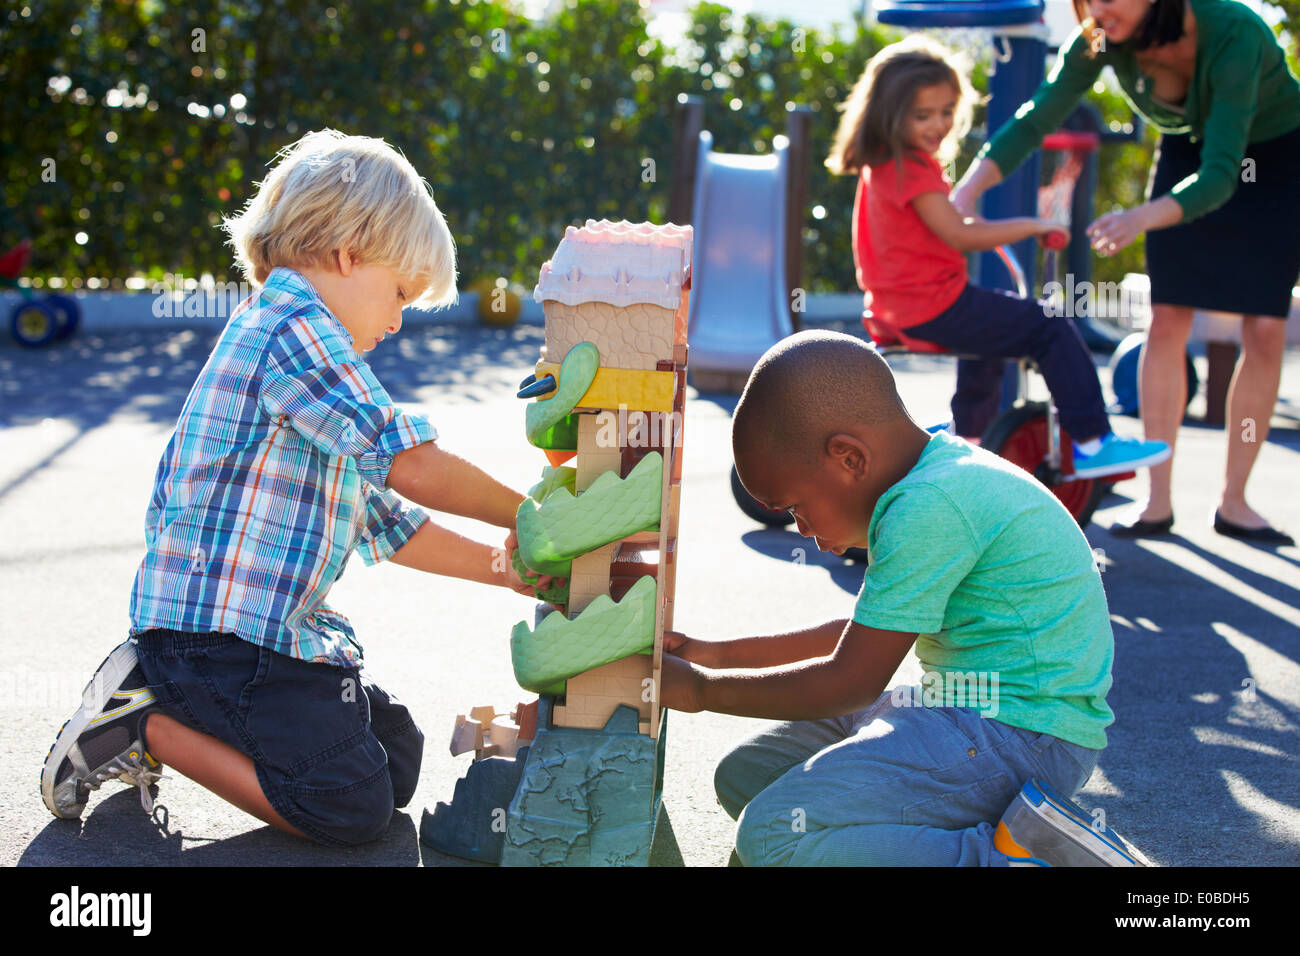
{"x": 621, "y": 263}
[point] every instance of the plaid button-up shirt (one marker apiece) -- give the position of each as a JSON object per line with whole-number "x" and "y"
{"x": 276, "y": 472}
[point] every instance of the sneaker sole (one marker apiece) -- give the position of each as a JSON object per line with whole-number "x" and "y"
{"x": 1120, "y": 468}
{"x": 1064, "y": 821}
{"x": 102, "y": 688}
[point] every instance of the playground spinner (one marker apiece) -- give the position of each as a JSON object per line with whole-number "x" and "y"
{"x": 575, "y": 778}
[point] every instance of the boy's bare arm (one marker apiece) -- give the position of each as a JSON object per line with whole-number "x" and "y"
{"x": 767, "y": 651}
{"x": 439, "y": 550}
{"x": 851, "y": 678}
{"x": 942, "y": 218}
{"x": 437, "y": 479}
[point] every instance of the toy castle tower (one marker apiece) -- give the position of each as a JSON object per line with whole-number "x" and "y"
{"x": 611, "y": 395}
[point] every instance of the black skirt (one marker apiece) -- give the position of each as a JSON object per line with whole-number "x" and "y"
{"x": 1243, "y": 257}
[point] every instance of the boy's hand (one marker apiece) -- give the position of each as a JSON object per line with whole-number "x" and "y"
{"x": 512, "y": 579}
{"x": 704, "y": 653}
{"x": 682, "y": 684}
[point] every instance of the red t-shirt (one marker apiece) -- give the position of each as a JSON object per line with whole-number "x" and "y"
{"x": 908, "y": 273}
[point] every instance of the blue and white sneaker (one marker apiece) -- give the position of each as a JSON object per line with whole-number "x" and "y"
{"x": 1042, "y": 828}
{"x": 102, "y": 741}
{"x": 1118, "y": 455}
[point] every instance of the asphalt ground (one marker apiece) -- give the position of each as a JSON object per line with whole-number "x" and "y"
{"x": 1201, "y": 767}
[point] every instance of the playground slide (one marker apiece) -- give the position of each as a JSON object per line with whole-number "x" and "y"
{"x": 738, "y": 286}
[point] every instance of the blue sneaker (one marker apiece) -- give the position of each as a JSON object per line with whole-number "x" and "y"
{"x": 1118, "y": 455}
{"x": 1042, "y": 828}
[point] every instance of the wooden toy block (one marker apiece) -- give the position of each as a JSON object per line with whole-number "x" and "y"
{"x": 467, "y": 735}
{"x": 525, "y": 716}
{"x": 504, "y": 736}
{"x": 615, "y": 387}
{"x": 590, "y": 577}
{"x": 592, "y": 697}
{"x": 596, "y": 454}
{"x": 490, "y": 732}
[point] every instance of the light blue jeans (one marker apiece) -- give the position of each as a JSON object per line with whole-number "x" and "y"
{"x": 887, "y": 786}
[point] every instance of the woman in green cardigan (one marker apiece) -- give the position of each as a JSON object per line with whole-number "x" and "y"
{"x": 1223, "y": 211}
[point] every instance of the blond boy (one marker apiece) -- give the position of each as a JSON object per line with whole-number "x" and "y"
{"x": 288, "y": 456}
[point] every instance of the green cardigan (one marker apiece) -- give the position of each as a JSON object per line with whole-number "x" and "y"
{"x": 1242, "y": 92}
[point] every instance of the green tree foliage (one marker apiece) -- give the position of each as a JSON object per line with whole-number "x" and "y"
{"x": 160, "y": 118}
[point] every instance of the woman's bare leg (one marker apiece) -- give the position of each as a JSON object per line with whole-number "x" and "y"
{"x": 1162, "y": 394}
{"x": 213, "y": 764}
{"x": 1252, "y": 396}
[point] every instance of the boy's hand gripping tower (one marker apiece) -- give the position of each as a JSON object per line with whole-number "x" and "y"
{"x": 610, "y": 391}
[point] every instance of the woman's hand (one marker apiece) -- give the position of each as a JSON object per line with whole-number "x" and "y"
{"x": 981, "y": 176}
{"x": 1115, "y": 230}
{"x": 965, "y": 198}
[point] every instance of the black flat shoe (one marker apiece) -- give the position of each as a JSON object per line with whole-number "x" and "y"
{"x": 1265, "y": 535}
{"x": 1142, "y": 529}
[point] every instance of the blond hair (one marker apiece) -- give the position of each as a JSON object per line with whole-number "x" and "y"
{"x": 874, "y": 119}
{"x": 357, "y": 194}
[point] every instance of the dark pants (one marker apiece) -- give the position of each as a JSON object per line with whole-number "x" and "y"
{"x": 997, "y": 325}
{"x": 335, "y": 754}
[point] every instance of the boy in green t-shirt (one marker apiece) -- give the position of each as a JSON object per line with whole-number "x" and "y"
{"x": 974, "y": 562}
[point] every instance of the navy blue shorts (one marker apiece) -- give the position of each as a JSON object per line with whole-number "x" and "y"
{"x": 335, "y": 754}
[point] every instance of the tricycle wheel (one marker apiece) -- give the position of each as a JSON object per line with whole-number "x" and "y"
{"x": 1020, "y": 436}
{"x": 67, "y": 312}
{"x": 34, "y": 324}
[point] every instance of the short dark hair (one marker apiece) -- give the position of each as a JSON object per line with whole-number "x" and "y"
{"x": 806, "y": 388}
{"x": 1162, "y": 24}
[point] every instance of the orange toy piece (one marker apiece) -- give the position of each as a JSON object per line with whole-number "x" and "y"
{"x": 558, "y": 457}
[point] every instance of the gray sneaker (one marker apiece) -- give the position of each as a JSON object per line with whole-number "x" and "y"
{"x": 1041, "y": 827}
{"x": 102, "y": 741}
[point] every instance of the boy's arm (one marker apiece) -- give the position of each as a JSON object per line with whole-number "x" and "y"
{"x": 438, "y": 479}
{"x": 942, "y": 218}
{"x": 851, "y": 678}
{"x": 439, "y": 550}
{"x": 406, "y": 536}
{"x": 767, "y": 651}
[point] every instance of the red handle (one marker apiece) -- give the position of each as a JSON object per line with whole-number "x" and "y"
{"x": 1056, "y": 239}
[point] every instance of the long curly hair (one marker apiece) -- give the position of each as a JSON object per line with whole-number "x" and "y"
{"x": 874, "y": 116}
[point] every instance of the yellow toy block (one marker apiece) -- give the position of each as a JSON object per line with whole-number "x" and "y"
{"x": 625, "y": 387}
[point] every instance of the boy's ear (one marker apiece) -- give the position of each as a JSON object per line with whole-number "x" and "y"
{"x": 344, "y": 261}
{"x": 849, "y": 455}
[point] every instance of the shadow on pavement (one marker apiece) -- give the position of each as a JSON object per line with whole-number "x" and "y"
{"x": 1201, "y": 756}
{"x": 789, "y": 546}
{"x": 117, "y": 832}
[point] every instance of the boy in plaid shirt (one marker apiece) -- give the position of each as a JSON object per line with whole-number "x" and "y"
{"x": 286, "y": 459}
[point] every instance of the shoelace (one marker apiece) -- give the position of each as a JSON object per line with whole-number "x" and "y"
{"x": 132, "y": 770}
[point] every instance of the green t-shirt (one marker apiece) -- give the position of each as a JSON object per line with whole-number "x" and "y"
{"x": 1002, "y": 588}
{"x": 1241, "y": 92}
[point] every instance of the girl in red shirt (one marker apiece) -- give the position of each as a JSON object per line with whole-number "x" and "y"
{"x": 908, "y": 111}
